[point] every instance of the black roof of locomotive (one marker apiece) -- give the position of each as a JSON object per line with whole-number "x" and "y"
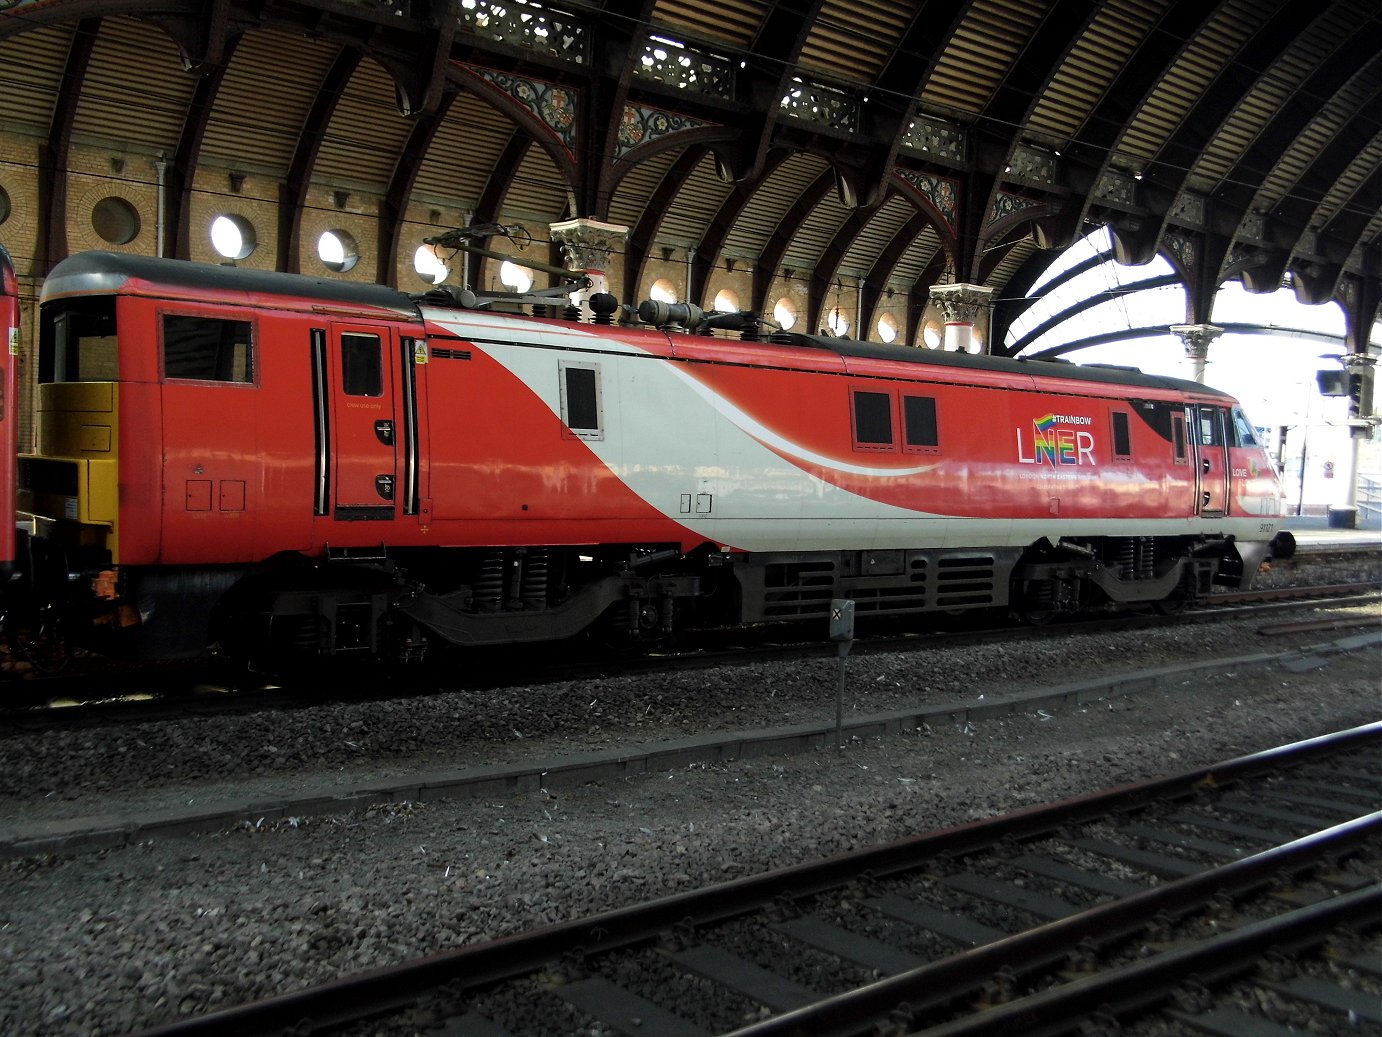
{"x": 92, "y": 273}
{"x": 1107, "y": 374}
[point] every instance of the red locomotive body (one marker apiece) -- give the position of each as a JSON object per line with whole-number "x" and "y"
{"x": 294, "y": 467}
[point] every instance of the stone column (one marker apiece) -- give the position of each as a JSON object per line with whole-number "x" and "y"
{"x": 587, "y": 245}
{"x": 962, "y": 305}
{"x": 1197, "y": 338}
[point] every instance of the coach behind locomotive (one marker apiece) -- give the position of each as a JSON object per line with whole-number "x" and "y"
{"x": 288, "y": 467}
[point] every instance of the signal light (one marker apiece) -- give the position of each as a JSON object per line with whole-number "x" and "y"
{"x": 1332, "y": 383}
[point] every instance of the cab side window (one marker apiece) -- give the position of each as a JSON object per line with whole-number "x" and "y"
{"x": 207, "y": 349}
{"x": 1179, "y": 448}
{"x": 1122, "y": 436}
{"x": 1243, "y": 432}
{"x": 1209, "y": 430}
{"x": 77, "y": 341}
{"x": 362, "y": 365}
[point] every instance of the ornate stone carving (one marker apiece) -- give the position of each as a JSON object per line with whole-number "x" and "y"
{"x": 587, "y": 244}
{"x": 962, "y": 303}
{"x": 642, "y": 125}
{"x": 1182, "y": 246}
{"x": 1197, "y": 338}
{"x": 554, "y": 106}
{"x": 687, "y": 68}
{"x": 939, "y": 191}
{"x": 931, "y": 136}
{"x": 823, "y": 105}
{"x": 524, "y": 25}
{"x": 1188, "y": 209}
{"x": 963, "y": 306}
{"x": 1116, "y": 188}
{"x": 1006, "y": 204}
{"x": 1033, "y": 164}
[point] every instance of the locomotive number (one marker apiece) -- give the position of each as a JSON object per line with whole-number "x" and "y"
{"x": 1267, "y": 527}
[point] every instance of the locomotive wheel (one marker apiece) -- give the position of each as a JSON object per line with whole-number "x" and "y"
{"x": 45, "y": 646}
{"x": 1172, "y": 603}
{"x": 614, "y": 633}
{"x": 1038, "y": 606}
{"x": 1178, "y": 599}
{"x": 1037, "y": 617}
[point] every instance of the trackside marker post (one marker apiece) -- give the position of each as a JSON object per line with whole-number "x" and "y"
{"x": 842, "y": 633}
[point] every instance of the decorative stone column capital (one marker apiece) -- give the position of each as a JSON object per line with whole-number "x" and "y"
{"x": 962, "y": 303}
{"x": 1197, "y": 338}
{"x": 587, "y": 243}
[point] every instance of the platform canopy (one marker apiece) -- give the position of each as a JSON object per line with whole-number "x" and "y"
{"x": 836, "y": 154}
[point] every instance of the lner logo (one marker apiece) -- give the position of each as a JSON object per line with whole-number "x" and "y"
{"x": 1055, "y": 442}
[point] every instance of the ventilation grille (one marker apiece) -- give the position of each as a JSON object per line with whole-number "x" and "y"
{"x": 964, "y": 581}
{"x": 798, "y": 589}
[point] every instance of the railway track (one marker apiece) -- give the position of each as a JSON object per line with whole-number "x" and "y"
{"x": 94, "y": 699}
{"x": 1190, "y": 898}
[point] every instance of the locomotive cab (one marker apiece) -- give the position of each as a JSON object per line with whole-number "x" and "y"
{"x": 68, "y": 488}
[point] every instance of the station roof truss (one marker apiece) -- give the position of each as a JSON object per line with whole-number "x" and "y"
{"x": 871, "y": 147}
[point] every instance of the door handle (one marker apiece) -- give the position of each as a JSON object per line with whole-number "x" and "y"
{"x": 383, "y": 485}
{"x": 1205, "y": 464}
{"x": 383, "y": 431}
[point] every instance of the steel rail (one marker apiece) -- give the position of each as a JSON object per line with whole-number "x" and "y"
{"x": 360, "y": 996}
{"x": 162, "y": 694}
{"x": 961, "y": 974}
{"x": 1146, "y": 983}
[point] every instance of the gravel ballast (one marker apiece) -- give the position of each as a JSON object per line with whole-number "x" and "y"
{"x": 108, "y": 942}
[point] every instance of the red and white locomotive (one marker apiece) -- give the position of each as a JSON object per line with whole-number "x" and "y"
{"x": 289, "y": 467}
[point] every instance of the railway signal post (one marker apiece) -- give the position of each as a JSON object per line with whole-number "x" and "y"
{"x": 842, "y": 633}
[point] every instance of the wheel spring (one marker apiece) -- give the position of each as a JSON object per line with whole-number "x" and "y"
{"x": 1146, "y": 558}
{"x": 533, "y": 590}
{"x": 489, "y": 583}
{"x": 307, "y": 633}
{"x": 1041, "y": 594}
{"x": 1124, "y": 557}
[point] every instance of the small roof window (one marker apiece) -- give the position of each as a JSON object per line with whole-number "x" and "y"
{"x": 233, "y": 237}
{"x": 338, "y": 251}
{"x": 785, "y": 313}
{"x": 887, "y": 328}
{"x": 429, "y": 265}
{"x": 115, "y": 220}
{"x": 519, "y": 278}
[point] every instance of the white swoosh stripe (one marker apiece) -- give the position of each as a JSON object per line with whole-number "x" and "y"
{"x": 748, "y": 423}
